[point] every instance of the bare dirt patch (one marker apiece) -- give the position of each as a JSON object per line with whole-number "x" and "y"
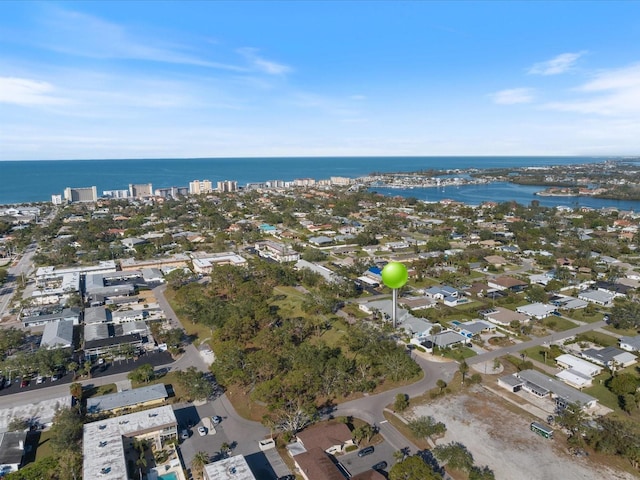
{"x": 500, "y": 438}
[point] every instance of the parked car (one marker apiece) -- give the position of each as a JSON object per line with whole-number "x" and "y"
{"x": 184, "y": 434}
{"x": 55, "y": 377}
{"x": 202, "y": 431}
{"x": 380, "y": 466}
{"x": 287, "y": 477}
{"x": 24, "y": 382}
{"x": 39, "y": 379}
{"x": 216, "y": 419}
{"x": 366, "y": 451}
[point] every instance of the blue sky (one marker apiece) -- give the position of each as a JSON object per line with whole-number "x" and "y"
{"x": 219, "y": 79}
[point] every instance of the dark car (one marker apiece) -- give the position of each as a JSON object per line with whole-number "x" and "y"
{"x": 287, "y": 477}
{"x": 380, "y": 466}
{"x": 366, "y": 451}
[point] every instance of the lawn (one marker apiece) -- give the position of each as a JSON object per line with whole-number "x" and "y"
{"x": 558, "y": 324}
{"x": 459, "y": 353}
{"x": 602, "y": 393}
{"x": 289, "y": 301}
{"x": 535, "y": 353}
{"x": 43, "y": 449}
{"x": 582, "y": 316}
{"x": 628, "y": 332}
{"x": 597, "y": 337}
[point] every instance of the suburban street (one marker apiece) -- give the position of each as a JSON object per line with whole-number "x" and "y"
{"x": 8, "y": 289}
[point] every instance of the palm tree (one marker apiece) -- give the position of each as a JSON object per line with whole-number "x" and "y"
{"x": 463, "y": 369}
{"x": 198, "y": 462}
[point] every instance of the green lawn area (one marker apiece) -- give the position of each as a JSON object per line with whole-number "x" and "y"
{"x": 628, "y": 332}
{"x": 583, "y": 317}
{"x": 598, "y": 337}
{"x": 101, "y": 390}
{"x": 43, "y": 449}
{"x": 602, "y": 393}
{"x": 535, "y": 353}
{"x": 289, "y": 300}
{"x": 558, "y": 324}
{"x": 459, "y": 353}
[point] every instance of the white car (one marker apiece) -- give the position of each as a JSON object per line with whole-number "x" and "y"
{"x": 202, "y": 431}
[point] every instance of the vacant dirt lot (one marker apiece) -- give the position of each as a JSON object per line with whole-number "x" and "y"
{"x": 501, "y": 439}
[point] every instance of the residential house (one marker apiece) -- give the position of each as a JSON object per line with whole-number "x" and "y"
{"x": 474, "y": 327}
{"x": 610, "y": 357}
{"x": 599, "y": 297}
{"x": 630, "y": 344}
{"x": 537, "y": 310}
{"x": 507, "y": 283}
{"x": 504, "y": 316}
{"x": 73, "y": 314}
{"x": 574, "y": 363}
{"x": 333, "y": 438}
{"x": 315, "y": 464}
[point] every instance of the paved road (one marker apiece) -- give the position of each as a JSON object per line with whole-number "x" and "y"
{"x": 9, "y": 288}
{"x": 488, "y": 356}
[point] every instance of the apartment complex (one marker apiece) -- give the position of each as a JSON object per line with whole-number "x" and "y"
{"x": 140, "y": 190}
{"x": 228, "y": 186}
{"x": 80, "y": 195}
{"x": 200, "y": 186}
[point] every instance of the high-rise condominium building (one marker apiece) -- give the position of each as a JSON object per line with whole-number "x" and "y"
{"x": 82, "y": 194}
{"x": 228, "y": 186}
{"x": 140, "y": 190}
{"x": 197, "y": 187}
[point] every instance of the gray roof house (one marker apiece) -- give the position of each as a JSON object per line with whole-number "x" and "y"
{"x": 11, "y": 451}
{"x": 542, "y": 385}
{"x": 57, "y": 334}
{"x": 598, "y": 297}
{"x": 73, "y": 314}
{"x": 630, "y": 344}
{"x": 127, "y": 399}
{"x": 609, "y": 356}
{"x": 537, "y": 310}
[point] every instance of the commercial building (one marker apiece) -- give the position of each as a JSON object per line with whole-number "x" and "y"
{"x": 107, "y": 443}
{"x": 197, "y": 187}
{"x": 58, "y": 334}
{"x": 172, "y": 192}
{"x": 80, "y": 195}
{"x": 71, "y": 314}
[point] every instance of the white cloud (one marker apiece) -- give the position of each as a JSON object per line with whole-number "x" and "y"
{"x": 79, "y": 34}
{"x": 560, "y": 64}
{"x": 513, "y": 96}
{"x": 263, "y": 65}
{"x": 611, "y": 92}
{"x": 23, "y": 91}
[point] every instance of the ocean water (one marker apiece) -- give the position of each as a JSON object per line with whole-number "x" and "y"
{"x": 35, "y": 181}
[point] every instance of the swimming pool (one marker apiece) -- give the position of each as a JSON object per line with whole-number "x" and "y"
{"x": 168, "y": 476}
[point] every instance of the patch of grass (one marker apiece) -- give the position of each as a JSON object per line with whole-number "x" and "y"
{"x": 459, "y": 353}
{"x": 404, "y": 429}
{"x": 43, "y": 448}
{"x": 244, "y": 406}
{"x": 289, "y": 301}
{"x": 597, "y": 337}
{"x": 535, "y": 353}
{"x": 582, "y": 316}
{"x": 627, "y": 332}
{"x": 558, "y": 324}
{"x": 605, "y": 396}
{"x": 101, "y": 390}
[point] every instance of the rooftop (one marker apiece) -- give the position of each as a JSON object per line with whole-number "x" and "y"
{"x": 127, "y": 398}
{"x": 103, "y": 447}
